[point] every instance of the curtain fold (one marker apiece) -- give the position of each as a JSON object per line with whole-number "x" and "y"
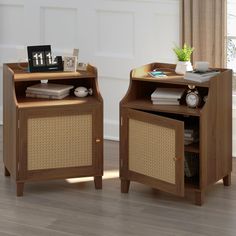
{"x": 203, "y": 24}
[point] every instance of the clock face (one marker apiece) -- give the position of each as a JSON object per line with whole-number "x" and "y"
{"x": 40, "y": 59}
{"x": 192, "y": 99}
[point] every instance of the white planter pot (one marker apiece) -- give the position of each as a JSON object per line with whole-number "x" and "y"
{"x": 182, "y": 67}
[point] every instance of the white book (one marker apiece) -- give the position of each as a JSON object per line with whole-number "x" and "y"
{"x": 165, "y": 103}
{"x": 188, "y": 135}
{"x": 188, "y": 138}
{"x": 175, "y": 93}
{"x": 49, "y": 89}
{"x": 165, "y": 99}
{"x": 32, "y": 95}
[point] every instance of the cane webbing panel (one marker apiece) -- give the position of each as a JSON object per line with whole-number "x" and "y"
{"x": 152, "y": 150}
{"x": 57, "y": 142}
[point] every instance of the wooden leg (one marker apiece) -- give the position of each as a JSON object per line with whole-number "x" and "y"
{"x": 227, "y": 180}
{"x": 19, "y": 189}
{"x": 98, "y": 182}
{"x": 6, "y": 172}
{"x": 199, "y": 198}
{"x": 125, "y": 185}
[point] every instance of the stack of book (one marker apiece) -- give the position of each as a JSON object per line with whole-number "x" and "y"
{"x": 48, "y": 90}
{"x": 167, "y": 96}
{"x": 191, "y": 164}
{"x": 190, "y": 136}
{"x": 200, "y": 77}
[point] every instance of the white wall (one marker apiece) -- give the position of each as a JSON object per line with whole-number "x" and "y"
{"x": 114, "y": 35}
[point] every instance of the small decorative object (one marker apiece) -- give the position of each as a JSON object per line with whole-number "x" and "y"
{"x": 76, "y": 53}
{"x": 82, "y": 66}
{"x": 201, "y": 66}
{"x": 157, "y": 74}
{"x": 41, "y": 60}
{"x": 70, "y": 63}
{"x": 184, "y": 56}
{"x": 192, "y": 98}
{"x": 82, "y": 92}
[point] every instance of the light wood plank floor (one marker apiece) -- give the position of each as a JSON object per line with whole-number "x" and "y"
{"x": 63, "y": 208}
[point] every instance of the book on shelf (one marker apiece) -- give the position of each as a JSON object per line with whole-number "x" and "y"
{"x": 49, "y": 89}
{"x": 167, "y": 96}
{"x": 165, "y": 102}
{"x": 175, "y": 93}
{"x": 191, "y": 164}
{"x": 200, "y": 77}
{"x": 190, "y": 136}
{"x": 33, "y": 95}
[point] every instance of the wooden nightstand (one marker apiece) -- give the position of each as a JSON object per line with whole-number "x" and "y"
{"x": 51, "y": 139}
{"x": 152, "y": 149}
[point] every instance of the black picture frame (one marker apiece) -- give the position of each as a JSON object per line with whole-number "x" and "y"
{"x": 40, "y": 59}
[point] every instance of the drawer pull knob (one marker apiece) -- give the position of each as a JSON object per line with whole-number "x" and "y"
{"x": 176, "y": 159}
{"x": 98, "y": 140}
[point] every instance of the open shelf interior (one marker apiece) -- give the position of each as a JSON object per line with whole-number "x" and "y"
{"x": 23, "y": 101}
{"x": 192, "y": 183}
{"x": 141, "y": 99}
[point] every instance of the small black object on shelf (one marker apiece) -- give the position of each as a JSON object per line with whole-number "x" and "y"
{"x": 41, "y": 60}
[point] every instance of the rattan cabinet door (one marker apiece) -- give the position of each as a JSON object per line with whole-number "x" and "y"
{"x": 152, "y": 150}
{"x": 59, "y": 143}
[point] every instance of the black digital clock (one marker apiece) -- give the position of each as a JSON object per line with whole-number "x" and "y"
{"x": 41, "y": 60}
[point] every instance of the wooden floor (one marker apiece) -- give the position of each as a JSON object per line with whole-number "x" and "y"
{"x": 74, "y": 207}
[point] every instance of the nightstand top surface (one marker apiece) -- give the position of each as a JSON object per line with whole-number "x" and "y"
{"x": 21, "y": 73}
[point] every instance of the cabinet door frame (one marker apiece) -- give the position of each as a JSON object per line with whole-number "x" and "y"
{"x": 178, "y": 126}
{"x": 66, "y": 172}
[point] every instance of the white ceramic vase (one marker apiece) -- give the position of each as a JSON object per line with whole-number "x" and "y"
{"x": 183, "y": 66}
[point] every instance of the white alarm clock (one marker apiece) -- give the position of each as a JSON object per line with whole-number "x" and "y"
{"x": 192, "y": 98}
{"x": 82, "y": 92}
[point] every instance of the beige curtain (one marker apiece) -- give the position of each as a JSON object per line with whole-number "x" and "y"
{"x": 204, "y": 27}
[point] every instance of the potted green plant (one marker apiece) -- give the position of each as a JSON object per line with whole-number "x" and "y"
{"x": 184, "y": 56}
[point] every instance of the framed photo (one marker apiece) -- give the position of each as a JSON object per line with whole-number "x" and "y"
{"x": 82, "y": 66}
{"x": 41, "y": 60}
{"x": 70, "y": 63}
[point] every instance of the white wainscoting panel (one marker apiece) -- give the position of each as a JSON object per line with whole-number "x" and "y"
{"x": 113, "y": 25}
{"x": 64, "y": 36}
{"x": 11, "y": 25}
{"x": 113, "y": 35}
